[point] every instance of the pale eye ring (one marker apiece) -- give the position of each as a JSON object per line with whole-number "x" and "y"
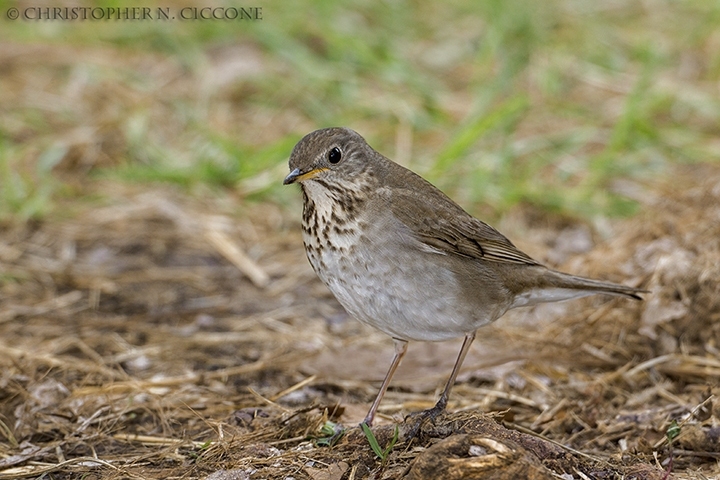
{"x": 334, "y": 155}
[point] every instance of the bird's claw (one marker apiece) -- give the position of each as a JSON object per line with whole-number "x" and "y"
{"x": 415, "y": 421}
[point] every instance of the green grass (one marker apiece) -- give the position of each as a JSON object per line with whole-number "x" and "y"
{"x": 381, "y": 453}
{"x": 27, "y": 193}
{"x": 507, "y": 102}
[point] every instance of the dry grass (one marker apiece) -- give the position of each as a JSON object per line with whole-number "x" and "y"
{"x": 135, "y": 345}
{"x": 151, "y": 331}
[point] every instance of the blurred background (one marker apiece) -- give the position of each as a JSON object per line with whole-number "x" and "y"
{"x": 575, "y": 107}
{"x": 156, "y": 308}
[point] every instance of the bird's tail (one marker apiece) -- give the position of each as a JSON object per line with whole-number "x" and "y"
{"x": 565, "y": 280}
{"x": 557, "y": 286}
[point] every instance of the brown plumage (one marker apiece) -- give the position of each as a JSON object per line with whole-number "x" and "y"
{"x": 401, "y": 256}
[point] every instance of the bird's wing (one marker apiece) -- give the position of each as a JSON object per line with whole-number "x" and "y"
{"x": 441, "y": 224}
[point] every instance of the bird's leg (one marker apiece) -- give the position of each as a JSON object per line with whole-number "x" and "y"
{"x": 442, "y": 402}
{"x": 439, "y": 407}
{"x": 400, "y": 349}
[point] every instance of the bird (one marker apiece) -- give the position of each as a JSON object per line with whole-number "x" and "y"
{"x": 401, "y": 256}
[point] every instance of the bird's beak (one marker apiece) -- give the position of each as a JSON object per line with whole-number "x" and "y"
{"x": 298, "y": 176}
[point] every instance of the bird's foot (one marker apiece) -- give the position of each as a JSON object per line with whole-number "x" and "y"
{"x": 414, "y": 421}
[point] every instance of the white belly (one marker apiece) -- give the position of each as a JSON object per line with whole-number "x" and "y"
{"x": 391, "y": 291}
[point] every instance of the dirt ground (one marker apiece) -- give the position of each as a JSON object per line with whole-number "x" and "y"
{"x": 164, "y": 336}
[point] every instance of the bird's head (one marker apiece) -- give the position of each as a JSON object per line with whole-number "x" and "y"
{"x": 332, "y": 156}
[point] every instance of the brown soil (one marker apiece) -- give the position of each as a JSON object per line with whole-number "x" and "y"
{"x": 166, "y": 337}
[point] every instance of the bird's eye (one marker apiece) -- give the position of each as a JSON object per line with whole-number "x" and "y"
{"x": 334, "y": 155}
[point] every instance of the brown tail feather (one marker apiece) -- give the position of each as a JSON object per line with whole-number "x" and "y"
{"x": 565, "y": 280}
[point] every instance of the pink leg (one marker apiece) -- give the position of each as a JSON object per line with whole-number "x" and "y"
{"x": 419, "y": 418}
{"x": 400, "y": 349}
{"x": 442, "y": 402}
